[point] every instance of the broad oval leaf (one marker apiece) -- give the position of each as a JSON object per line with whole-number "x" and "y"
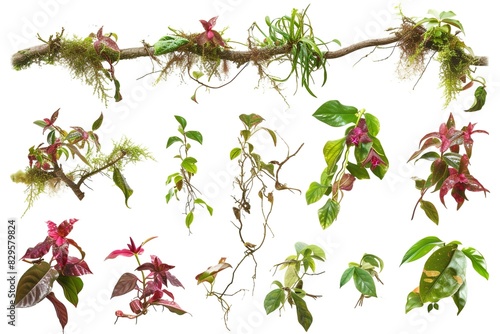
{"x": 251, "y": 120}
{"x": 98, "y": 122}
{"x": 35, "y": 284}
{"x": 373, "y": 124}
{"x": 364, "y": 282}
{"x": 374, "y": 260}
{"x": 332, "y": 151}
{"x": 71, "y": 285}
{"x": 315, "y": 192}
{"x": 328, "y": 213}
{"x": 421, "y": 248}
{"x": 430, "y": 211}
{"x": 181, "y": 120}
{"x": 460, "y": 297}
{"x": 358, "y": 171}
{"x": 126, "y": 283}
{"x": 172, "y": 140}
{"x": 121, "y": 183}
{"x": 189, "y": 219}
{"x": 304, "y": 317}
{"x": 336, "y": 114}
{"x": 189, "y": 164}
{"x": 235, "y": 152}
{"x": 443, "y": 274}
{"x": 346, "y": 276}
{"x": 273, "y": 300}
{"x": 168, "y": 44}
{"x": 478, "y": 261}
{"x": 195, "y": 135}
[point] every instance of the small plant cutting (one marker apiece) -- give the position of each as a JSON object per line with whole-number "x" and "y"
{"x": 291, "y": 290}
{"x": 443, "y": 274}
{"x": 150, "y": 288}
{"x": 360, "y": 139}
{"x": 449, "y": 167}
{"x": 362, "y": 274}
{"x": 36, "y": 283}
{"x": 45, "y": 170}
{"x": 182, "y": 180}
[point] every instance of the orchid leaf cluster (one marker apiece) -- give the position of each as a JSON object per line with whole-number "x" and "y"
{"x": 443, "y": 274}
{"x": 340, "y": 173}
{"x": 291, "y": 290}
{"x": 449, "y": 166}
{"x": 188, "y": 168}
{"x": 45, "y": 161}
{"x": 37, "y": 282}
{"x": 362, "y": 274}
{"x": 149, "y": 287}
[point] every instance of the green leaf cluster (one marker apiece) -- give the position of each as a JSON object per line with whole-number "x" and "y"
{"x": 360, "y": 138}
{"x": 444, "y": 272}
{"x": 291, "y": 290}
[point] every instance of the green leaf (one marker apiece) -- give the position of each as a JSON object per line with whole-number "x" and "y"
{"x": 168, "y": 44}
{"x": 182, "y": 121}
{"x": 71, "y": 285}
{"x": 35, "y": 284}
{"x": 195, "y": 135}
{"x": 358, "y": 171}
{"x": 318, "y": 252}
{"x": 172, "y": 140}
{"x": 97, "y": 123}
{"x": 121, "y": 183}
{"x": 460, "y": 297}
{"x": 364, "y": 282}
{"x": 197, "y": 74}
{"x": 189, "y": 164}
{"x": 189, "y": 219}
{"x": 300, "y": 247}
{"x": 443, "y": 274}
{"x": 251, "y": 120}
{"x": 273, "y": 300}
{"x": 245, "y": 134}
{"x": 328, "y": 213}
{"x": 421, "y": 248}
{"x": 430, "y": 210}
{"x": 346, "y": 276}
{"x": 373, "y": 124}
{"x": 235, "y": 152}
{"x": 40, "y": 123}
{"x": 479, "y": 99}
{"x": 291, "y": 276}
{"x": 413, "y": 301}
{"x": 430, "y": 156}
{"x": 304, "y": 317}
{"x": 452, "y": 159}
{"x": 336, "y": 114}
{"x": 332, "y": 151}
{"x": 478, "y": 261}
{"x": 202, "y": 202}
{"x": 273, "y": 135}
{"x": 374, "y": 260}
{"x": 315, "y": 192}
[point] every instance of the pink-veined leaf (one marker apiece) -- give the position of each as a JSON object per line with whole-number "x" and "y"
{"x": 171, "y": 306}
{"x": 126, "y": 283}
{"x": 76, "y": 267}
{"x": 39, "y": 250}
{"x": 35, "y": 284}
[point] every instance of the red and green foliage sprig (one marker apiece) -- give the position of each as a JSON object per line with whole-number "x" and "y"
{"x": 340, "y": 173}
{"x": 291, "y": 290}
{"x": 444, "y": 271}
{"x": 36, "y": 283}
{"x": 150, "y": 288}
{"x": 449, "y": 167}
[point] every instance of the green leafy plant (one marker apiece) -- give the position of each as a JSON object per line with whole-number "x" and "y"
{"x": 45, "y": 172}
{"x": 439, "y": 34}
{"x": 37, "y": 282}
{"x": 362, "y": 274}
{"x": 150, "y": 287}
{"x": 339, "y": 175}
{"x": 443, "y": 274}
{"x": 291, "y": 289}
{"x": 449, "y": 168}
{"x": 182, "y": 180}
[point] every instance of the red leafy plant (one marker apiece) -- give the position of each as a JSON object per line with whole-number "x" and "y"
{"x": 150, "y": 288}
{"x": 449, "y": 168}
{"x": 37, "y": 282}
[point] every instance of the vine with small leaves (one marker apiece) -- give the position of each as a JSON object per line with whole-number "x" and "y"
{"x": 449, "y": 167}
{"x": 150, "y": 288}
{"x": 45, "y": 172}
{"x": 37, "y": 282}
{"x": 291, "y": 290}
{"x": 362, "y": 274}
{"x": 340, "y": 173}
{"x": 182, "y": 180}
{"x": 444, "y": 271}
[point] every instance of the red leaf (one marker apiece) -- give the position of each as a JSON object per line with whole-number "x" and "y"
{"x": 62, "y": 313}
{"x": 125, "y": 284}
{"x": 39, "y": 250}
{"x": 447, "y": 185}
{"x": 76, "y": 267}
{"x": 122, "y": 252}
{"x": 171, "y": 306}
{"x": 173, "y": 280}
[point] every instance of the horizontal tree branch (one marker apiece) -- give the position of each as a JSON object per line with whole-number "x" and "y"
{"x": 36, "y": 53}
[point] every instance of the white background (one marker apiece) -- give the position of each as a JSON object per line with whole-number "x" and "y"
{"x": 374, "y": 217}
